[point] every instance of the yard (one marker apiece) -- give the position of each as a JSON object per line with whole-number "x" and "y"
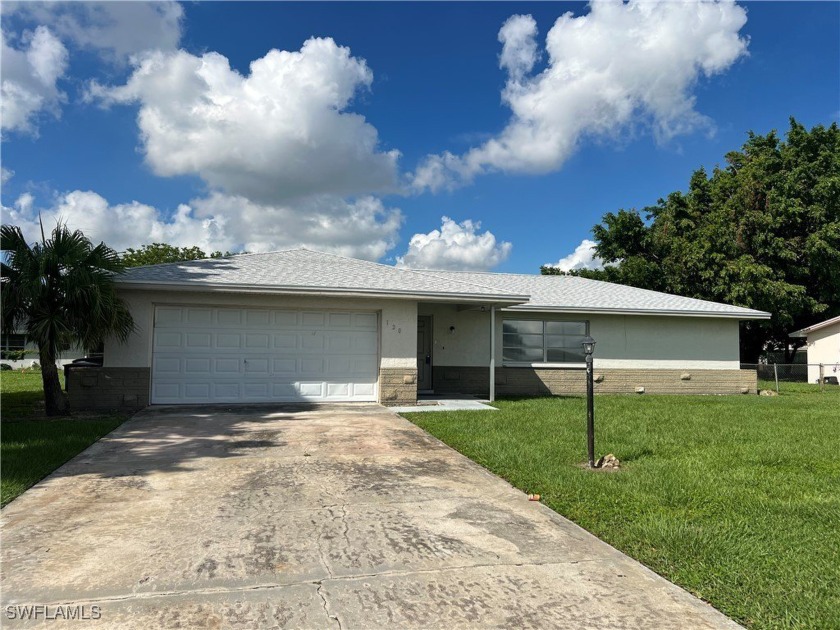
{"x": 31, "y": 445}
{"x": 735, "y": 498}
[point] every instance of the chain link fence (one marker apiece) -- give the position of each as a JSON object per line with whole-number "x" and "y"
{"x": 782, "y": 377}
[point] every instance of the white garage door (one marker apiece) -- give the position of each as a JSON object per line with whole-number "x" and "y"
{"x": 207, "y": 355}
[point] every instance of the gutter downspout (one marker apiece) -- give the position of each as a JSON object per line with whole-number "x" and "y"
{"x": 492, "y": 353}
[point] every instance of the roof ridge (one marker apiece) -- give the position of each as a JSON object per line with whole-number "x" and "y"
{"x": 400, "y": 269}
{"x": 242, "y": 255}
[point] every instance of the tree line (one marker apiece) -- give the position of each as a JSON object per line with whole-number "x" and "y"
{"x": 762, "y": 231}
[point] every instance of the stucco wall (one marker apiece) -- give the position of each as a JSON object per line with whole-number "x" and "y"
{"x": 623, "y": 341}
{"x": 398, "y": 318}
{"x": 824, "y": 347}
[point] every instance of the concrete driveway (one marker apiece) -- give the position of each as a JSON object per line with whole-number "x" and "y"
{"x": 332, "y": 517}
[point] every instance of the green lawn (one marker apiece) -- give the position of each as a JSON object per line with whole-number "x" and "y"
{"x": 735, "y": 498}
{"x": 31, "y": 445}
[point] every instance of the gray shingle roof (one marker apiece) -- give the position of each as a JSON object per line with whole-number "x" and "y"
{"x": 307, "y": 271}
{"x": 575, "y": 294}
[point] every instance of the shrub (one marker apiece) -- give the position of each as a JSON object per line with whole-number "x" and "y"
{"x": 4, "y": 367}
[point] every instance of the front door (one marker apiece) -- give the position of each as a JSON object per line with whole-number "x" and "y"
{"x": 424, "y": 352}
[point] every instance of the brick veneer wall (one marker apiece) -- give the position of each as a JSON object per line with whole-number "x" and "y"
{"x": 543, "y": 382}
{"x": 398, "y": 386}
{"x": 108, "y": 388}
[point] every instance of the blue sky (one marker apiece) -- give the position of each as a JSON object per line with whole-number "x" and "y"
{"x": 360, "y": 142}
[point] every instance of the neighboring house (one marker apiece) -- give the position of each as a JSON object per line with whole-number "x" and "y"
{"x": 823, "y": 345}
{"x": 300, "y": 325}
{"x": 18, "y": 352}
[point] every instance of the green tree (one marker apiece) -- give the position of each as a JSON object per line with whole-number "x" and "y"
{"x": 762, "y": 232}
{"x": 60, "y": 291}
{"x": 158, "y": 253}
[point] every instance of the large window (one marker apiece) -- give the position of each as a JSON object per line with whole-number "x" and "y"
{"x": 535, "y": 341}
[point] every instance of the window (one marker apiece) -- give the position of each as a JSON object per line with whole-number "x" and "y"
{"x": 12, "y": 346}
{"x": 535, "y": 341}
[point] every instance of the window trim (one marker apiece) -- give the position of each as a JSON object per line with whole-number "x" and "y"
{"x": 545, "y": 363}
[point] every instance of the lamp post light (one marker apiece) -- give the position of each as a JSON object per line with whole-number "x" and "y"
{"x": 588, "y": 349}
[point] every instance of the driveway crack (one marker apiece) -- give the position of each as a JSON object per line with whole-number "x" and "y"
{"x": 323, "y": 597}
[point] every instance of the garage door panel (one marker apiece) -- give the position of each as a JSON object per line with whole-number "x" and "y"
{"x": 199, "y": 340}
{"x": 199, "y": 316}
{"x": 286, "y": 341}
{"x": 226, "y": 366}
{"x": 338, "y": 365}
{"x": 257, "y": 340}
{"x": 316, "y": 319}
{"x": 166, "y": 391}
{"x": 256, "y": 367}
{"x": 228, "y": 340}
{"x": 165, "y": 339}
{"x": 363, "y": 390}
{"x": 255, "y": 391}
{"x": 261, "y": 319}
{"x": 311, "y": 366}
{"x": 339, "y": 320}
{"x": 210, "y": 354}
{"x": 364, "y": 320}
{"x": 197, "y": 391}
{"x": 311, "y": 390}
{"x": 228, "y": 317}
{"x": 167, "y": 365}
{"x": 312, "y": 341}
{"x": 340, "y": 342}
{"x": 338, "y": 390}
{"x": 285, "y": 366}
{"x": 285, "y": 391}
{"x": 226, "y": 391}
{"x": 193, "y": 366}
{"x": 285, "y": 318}
{"x": 166, "y": 316}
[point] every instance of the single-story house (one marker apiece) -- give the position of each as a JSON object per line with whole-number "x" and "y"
{"x": 823, "y": 347}
{"x": 301, "y": 325}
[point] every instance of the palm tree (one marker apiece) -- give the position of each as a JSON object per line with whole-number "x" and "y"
{"x": 61, "y": 292}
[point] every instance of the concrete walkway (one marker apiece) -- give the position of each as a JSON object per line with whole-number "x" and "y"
{"x": 332, "y": 517}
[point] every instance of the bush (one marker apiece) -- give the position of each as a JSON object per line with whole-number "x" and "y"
{"x": 4, "y": 367}
{"x": 35, "y": 367}
{"x": 13, "y": 355}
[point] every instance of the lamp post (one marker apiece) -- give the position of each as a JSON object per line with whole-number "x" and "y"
{"x": 588, "y": 349}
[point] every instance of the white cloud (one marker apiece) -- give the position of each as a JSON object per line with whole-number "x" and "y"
{"x": 29, "y": 79}
{"x": 6, "y": 174}
{"x": 364, "y": 228}
{"x": 582, "y": 258}
{"x": 117, "y": 30}
{"x": 456, "y": 246}
{"x": 620, "y": 66}
{"x": 280, "y": 133}
{"x": 519, "y": 46}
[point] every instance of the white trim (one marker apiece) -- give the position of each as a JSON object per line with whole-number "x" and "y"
{"x": 320, "y": 291}
{"x": 804, "y": 332}
{"x": 524, "y": 308}
{"x": 492, "y": 353}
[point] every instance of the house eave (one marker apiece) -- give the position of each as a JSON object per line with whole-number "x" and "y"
{"x": 528, "y": 308}
{"x": 204, "y": 287}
